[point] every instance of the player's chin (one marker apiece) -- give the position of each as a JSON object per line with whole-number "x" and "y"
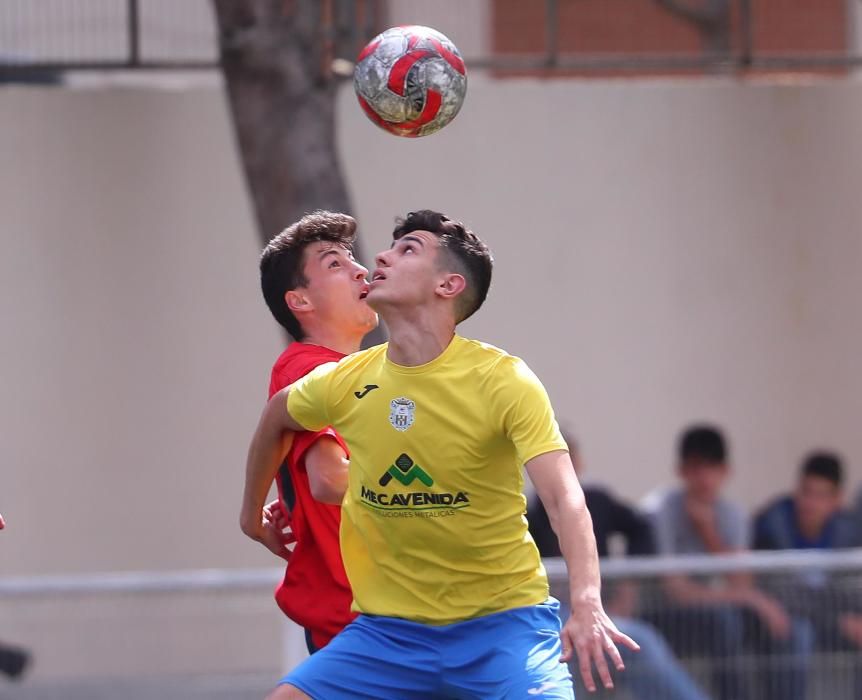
{"x": 375, "y": 298}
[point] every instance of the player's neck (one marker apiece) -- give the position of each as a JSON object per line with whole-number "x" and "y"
{"x": 413, "y": 343}
{"x": 334, "y": 339}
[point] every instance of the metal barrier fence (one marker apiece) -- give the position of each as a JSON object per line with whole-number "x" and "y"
{"x": 106, "y": 34}
{"x": 778, "y": 625}
{"x": 218, "y": 634}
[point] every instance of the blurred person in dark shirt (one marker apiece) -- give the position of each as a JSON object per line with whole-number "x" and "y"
{"x": 13, "y": 660}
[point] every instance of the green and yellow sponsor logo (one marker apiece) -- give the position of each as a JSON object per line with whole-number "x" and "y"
{"x": 406, "y": 472}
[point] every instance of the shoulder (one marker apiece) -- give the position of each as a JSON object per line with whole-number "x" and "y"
{"x": 299, "y": 359}
{"x": 363, "y": 358}
{"x": 287, "y": 369}
{"x": 281, "y": 367}
{"x": 730, "y": 510}
{"x": 338, "y": 378}
{"x": 662, "y": 502}
{"x": 495, "y": 363}
{"x": 485, "y": 353}
{"x": 375, "y": 352}
{"x": 776, "y": 507}
{"x": 847, "y": 532}
{"x": 733, "y": 522}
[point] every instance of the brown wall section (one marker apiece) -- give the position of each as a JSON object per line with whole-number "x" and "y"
{"x": 800, "y": 26}
{"x": 646, "y": 28}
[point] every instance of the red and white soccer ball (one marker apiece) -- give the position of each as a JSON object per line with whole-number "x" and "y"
{"x": 410, "y": 80}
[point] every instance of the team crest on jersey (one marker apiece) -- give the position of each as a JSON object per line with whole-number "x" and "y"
{"x": 401, "y": 413}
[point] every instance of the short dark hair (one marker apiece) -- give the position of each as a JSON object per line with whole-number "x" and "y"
{"x": 465, "y": 250}
{"x": 282, "y": 261}
{"x": 825, "y": 465}
{"x": 703, "y": 442}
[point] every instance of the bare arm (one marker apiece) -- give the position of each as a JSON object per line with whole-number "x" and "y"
{"x": 686, "y": 590}
{"x": 558, "y": 488}
{"x": 589, "y": 632}
{"x": 739, "y": 588}
{"x": 326, "y": 464}
{"x": 271, "y": 441}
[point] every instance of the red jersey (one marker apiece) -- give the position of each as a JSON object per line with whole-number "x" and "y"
{"x": 315, "y": 592}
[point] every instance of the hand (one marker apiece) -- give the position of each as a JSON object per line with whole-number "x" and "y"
{"x": 275, "y": 516}
{"x": 592, "y": 634}
{"x": 267, "y": 527}
{"x": 851, "y": 627}
{"x": 276, "y": 524}
{"x": 774, "y": 616}
{"x": 702, "y": 514}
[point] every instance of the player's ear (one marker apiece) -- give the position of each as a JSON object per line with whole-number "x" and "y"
{"x": 297, "y": 300}
{"x": 451, "y": 285}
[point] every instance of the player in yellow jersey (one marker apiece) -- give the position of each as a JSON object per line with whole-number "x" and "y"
{"x": 452, "y": 595}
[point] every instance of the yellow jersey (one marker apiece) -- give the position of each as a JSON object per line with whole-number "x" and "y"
{"x": 433, "y": 527}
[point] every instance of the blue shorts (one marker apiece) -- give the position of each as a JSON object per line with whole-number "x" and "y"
{"x": 510, "y": 655}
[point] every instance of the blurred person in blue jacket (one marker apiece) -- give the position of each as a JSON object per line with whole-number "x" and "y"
{"x": 813, "y": 517}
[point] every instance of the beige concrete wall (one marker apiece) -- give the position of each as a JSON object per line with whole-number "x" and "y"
{"x": 467, "y": 24}
{"x": 666, "y": 251}
{"x": 135, "y": 347}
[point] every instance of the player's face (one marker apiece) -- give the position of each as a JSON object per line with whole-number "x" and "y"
{"x": 407, "y": 273}
{"x": 337, "y": 287}
{"x": 704, "y": 481}
{"x": 817, "y": 500}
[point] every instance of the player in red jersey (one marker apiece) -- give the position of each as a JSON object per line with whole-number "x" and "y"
{"x": 316, "y": 291}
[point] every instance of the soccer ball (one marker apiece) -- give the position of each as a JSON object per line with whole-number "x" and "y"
{"x": 410, "y": 80}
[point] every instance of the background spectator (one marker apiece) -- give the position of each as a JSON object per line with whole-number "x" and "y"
{"x": 720, "y": 616}
{"x": 857, "y": 516}
{"x": 813, "y": 517}
{"x": 13, "y": 660}
{"x": 653, "y": 673}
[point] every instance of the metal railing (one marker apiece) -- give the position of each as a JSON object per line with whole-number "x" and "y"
{"x": 53, "y": 36}
{"x": 613, "y": 568}
{"x": 155, "y": 620}
{"x": 140, "y": 582}
{"x": 44, "y": 36}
